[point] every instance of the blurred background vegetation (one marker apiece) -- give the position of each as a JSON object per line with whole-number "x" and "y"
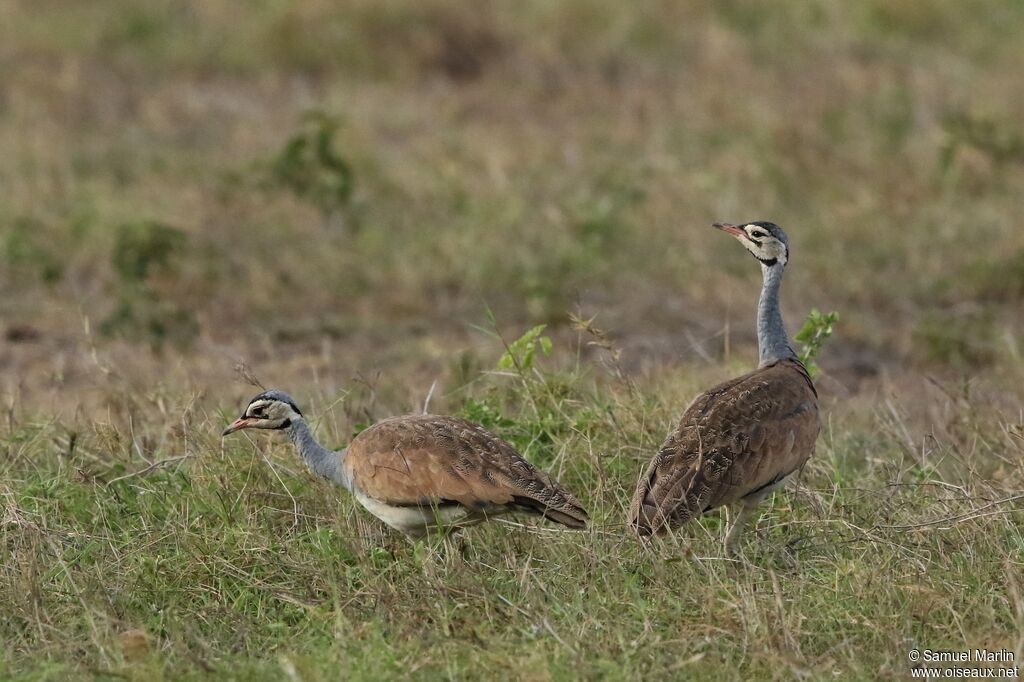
{"x": 337, "y": 193}
{"x": 208, "y": 180}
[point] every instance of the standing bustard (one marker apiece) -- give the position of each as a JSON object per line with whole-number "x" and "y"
{"x": 738, "y": 441}
{"x": 419, "y": 472}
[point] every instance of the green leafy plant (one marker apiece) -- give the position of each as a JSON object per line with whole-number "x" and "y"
{"x": 144, "y": 247}
{"x": 311, "y": 167}
{"x": 520, "y": 353}
{"x": 812, "y": 335}
{"x": 538, "y": 397}
{"x": 24, "y": 248}
{"x": 486, "y": 412}
{"x": 141, "y": 251}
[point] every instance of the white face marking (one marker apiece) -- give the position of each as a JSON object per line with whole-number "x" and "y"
{"x": 763, "y": 245}
{"x": 257, "y": 409}
{"x": 756, "y": 231}
{"x": 270, "y": 414}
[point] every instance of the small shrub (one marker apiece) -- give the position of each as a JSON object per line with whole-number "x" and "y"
{"x": 140, "y": 313}
{"x": 520, "y": 353}
{"x": 812, "y": 335}
{"x": 310, "y": 166}
{"x": 142, "y": 250}
{"x": 483, "y": 411}
{"x": 24, "y": 249}
{"x": 539, "y": 399}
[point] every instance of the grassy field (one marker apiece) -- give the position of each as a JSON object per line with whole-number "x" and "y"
{"x": 363, "y": 202}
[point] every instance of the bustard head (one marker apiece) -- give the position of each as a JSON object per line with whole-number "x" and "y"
{"x": 765, "y": 240}
{"x": 269, "y": 410}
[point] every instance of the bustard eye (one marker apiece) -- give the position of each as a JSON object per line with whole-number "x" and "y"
{"x": 758, "y": 234}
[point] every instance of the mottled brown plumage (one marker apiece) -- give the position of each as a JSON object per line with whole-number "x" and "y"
{"x": 736, "y": 441}
{"x": 433, "y": 461}
{"x": 418, "y": 472}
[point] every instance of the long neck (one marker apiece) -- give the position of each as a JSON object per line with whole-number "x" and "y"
{"x": 327, "y": 463}
{"x": 772, "y": 341}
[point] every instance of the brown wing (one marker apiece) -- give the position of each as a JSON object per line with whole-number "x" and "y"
{"x": 431, "y": 460}
{"x": 734, "y": 440}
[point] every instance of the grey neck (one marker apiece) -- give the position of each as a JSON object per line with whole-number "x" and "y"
{"x": 327, "y": 463}
{"x": 772, "y": 341}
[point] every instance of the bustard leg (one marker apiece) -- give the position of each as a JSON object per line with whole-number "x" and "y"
{"x": 746, "y": 511}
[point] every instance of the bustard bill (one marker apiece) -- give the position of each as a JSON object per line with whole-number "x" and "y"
{"x": 738, "y": 441}
{"x": 419, "y": 472}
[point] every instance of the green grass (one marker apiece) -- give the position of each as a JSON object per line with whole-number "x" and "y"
{"x": 346, "y": 198}
{"x": 236, "y": 563}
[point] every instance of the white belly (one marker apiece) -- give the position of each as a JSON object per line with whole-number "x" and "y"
{"x": 413, "y": 520}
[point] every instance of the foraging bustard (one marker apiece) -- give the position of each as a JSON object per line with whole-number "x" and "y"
{"x": 738, "y": 441}
{"x": 418, "y": 472}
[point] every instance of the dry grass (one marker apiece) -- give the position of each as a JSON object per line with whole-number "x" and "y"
{"x": 167, "y": 210}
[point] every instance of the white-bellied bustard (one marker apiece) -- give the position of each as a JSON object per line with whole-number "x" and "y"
{"x": 419, "y": 472}
{"x": 738, "y": 441}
